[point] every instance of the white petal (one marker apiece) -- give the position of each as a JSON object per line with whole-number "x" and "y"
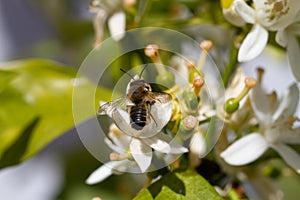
{"x": 198, "y": 145}
{"x": 159, "y": 142}
{"x": 165, "y": 144}
{"x": 260, "y": 105}
{"x": 236, "y": 85}
{"x": 291, "y": 136}
{"x": 290, "y": 156}
{"x": 293, "y": 51}
{"x": 288, "y": 104}
{"x": 261, "y": 187}
{"x": 104, "y": 171}
{"x": 274, "y": 17}
{"x": 141, "y": 153}
{"x": 160, "y": 116}
{"x": 162, "y": 112}
{"x": 294, "y": 28}
{"x": 116, "y": 25}
{"x": 281, "y": 37}
{"x": 245, "y": 11}
{"x": 253, "y": 44}
{"x": 114, "y": 147}
{"x": 119, "y": 138}
{"x": 245, "y": 150}
{"x": 233, "y": 17}
{"x": 99, "y": 22}
{"x": 122, "y": 120}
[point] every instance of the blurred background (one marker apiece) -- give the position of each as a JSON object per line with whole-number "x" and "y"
{"x": 63, "y": 31}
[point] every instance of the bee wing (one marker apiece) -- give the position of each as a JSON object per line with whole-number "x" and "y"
{"x": 109, "y": 107}
{"x": 160, "y": 97}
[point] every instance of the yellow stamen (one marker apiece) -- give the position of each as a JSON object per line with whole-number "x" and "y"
{"x": 260, "y": 73}
{"x": 205, "y": 45}
{"x": 198, "y": 82}
{"x": 129, "y": 3}
{"x": 249, "y": 84}
{"x": 117, "y": 157}
{"x": 152, "y": 52}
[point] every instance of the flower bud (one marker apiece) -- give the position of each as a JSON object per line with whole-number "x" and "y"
{"x": 231, "y": 105}
{"x": 271, "y": 171}
{"x": 188, "y": 124}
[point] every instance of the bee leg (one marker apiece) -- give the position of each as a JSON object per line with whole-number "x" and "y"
{"x": 149, "y": 110}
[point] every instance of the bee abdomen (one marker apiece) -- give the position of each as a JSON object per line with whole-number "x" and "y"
{"x": 138, "y": 117}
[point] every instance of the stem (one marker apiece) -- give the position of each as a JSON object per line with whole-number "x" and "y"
{"x": 231, "y": 66}
{"x": 143, "y": 7}
{"x": 201, "y": 61}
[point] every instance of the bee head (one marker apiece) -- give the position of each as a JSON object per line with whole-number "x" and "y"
{"x": 138, "y": 88}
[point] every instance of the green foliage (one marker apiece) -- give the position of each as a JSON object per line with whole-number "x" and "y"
{"x": 36, "y": 106}
{"x": 179, "y": 185}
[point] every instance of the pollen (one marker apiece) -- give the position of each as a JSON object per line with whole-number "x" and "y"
{"x": 206, "y": 45}
{"x": 277, "y": 9}
{"x": 250, "y": 82}
{"x": 151, "y": 51}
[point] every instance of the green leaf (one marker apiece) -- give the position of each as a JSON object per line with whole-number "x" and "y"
{"x": 13, "y": 154}
{"x": 39, "y": 88}
{"x": 179, "y": 185}
{"x": 5, "y": 78}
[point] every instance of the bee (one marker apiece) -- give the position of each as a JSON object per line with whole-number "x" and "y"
{"x": 138, "y": 103}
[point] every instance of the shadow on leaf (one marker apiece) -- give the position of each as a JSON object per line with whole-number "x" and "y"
{"x": 13, "y": 154}
{"x": 171, "y": 181}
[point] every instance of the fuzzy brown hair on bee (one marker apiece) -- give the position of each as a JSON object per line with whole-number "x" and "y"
{"x": 139, "y": 100}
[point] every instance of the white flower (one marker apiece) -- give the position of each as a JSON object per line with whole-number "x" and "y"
{"x": 141, "y": 151}
{"x": 230, "y": 14}
{"x": 139, "y": 148}
{"x": 119, "y": 143}
{"x": 111, "y": 12}
{"x": 160, "y": 116}
{"x": 197, "y": 149}
{"x": 275, "y": 130}
{"x": 288, "y": 38}
{"x": 264, "y": 15}
{"x": 257, "y": 186}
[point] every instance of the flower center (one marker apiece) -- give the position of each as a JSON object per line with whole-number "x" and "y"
{"x": 276, "y": 9}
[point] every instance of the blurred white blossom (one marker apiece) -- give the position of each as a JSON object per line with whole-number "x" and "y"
{"x": 265, "y": 16}
{"x": 288, "y": 38}
{"x": 112, "y": 13}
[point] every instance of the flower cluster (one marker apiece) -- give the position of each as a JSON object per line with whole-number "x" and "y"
{"x": 275, "y": 129}
{"x": 242, "y": 121}
{"x": 236, "y": 126}
{"x": 280, "y": 16}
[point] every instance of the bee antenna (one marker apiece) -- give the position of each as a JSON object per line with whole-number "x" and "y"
{"x": 143, "y": 71}
{"x": 127, "y": 73}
